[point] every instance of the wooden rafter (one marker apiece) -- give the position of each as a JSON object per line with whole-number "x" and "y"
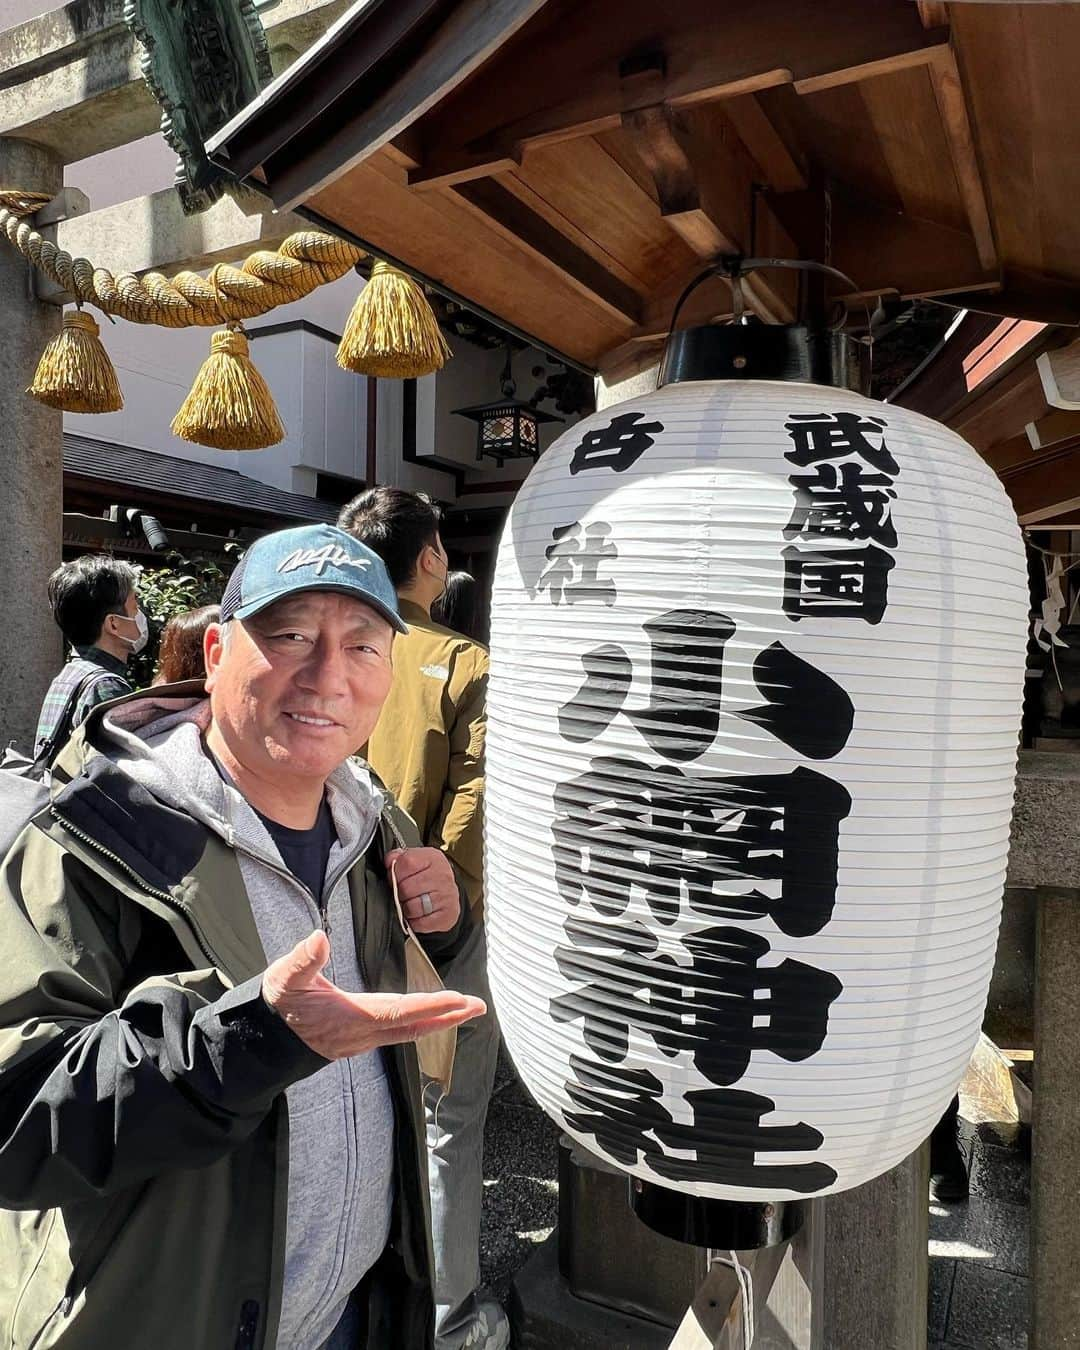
{"x": 1056, "y": 426}
{"x": 934, "y": 13}
{"x": 886, "y": 252}
{"x": 1046, "y": 485}
{"x": 704, "y": 180}
{"x": 1040, "y": 298}
{"x": 505, "y": 149}
{"x": 781, "y": 165}
{"x": 549, "y": 248}
{"x": 551, "y": 91}
{"x": 1001, "y": 409}
{"x": 949, "y": 92}
{"x": 868, "y": 70}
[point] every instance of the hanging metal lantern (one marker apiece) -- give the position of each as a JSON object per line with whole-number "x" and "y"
{"x": 509, "y": 428}
{"x": 757, "y": 660}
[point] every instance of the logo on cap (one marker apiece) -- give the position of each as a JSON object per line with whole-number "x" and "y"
{"x": 330, "y": 555}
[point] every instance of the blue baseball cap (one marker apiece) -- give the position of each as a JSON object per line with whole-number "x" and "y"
{"x": 309, "y": 558}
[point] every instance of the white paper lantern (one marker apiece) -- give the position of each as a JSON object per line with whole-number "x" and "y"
{"x": 756, "y": 674}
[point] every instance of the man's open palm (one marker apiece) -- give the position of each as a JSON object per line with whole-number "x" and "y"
{"x": 336, "y": 1024}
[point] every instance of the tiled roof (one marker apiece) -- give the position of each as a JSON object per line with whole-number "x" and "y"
{"x": 126, "y": 464}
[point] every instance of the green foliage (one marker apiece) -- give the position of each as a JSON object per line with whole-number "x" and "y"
{"x": 185, "y": 583}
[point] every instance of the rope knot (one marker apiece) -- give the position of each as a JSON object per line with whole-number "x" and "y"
{"x": 229, "y": 342}
{"x": 77, "y": 318}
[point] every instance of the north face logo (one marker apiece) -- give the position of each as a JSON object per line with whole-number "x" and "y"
{"x": 330, "y": 555}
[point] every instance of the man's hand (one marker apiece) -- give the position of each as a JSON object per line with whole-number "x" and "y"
{"x": 335, "y": 1024}
{"x": 428, "y": 889}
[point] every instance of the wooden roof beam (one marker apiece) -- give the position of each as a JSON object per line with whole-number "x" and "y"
{"x": 883, "y": 251}
{"x": 952, "y": 105}
{"x": 704, "y": 182}
{"x": 446, "y": 166}
{"x": 782, "y": 166}
{"x": 549, "y": 89}
{"x": 1059, "y": 372}
{"x": 1045, "y": 486}
{"x": 1024, "y": 295}
{"x": 869, "y": 70}
{"x": 1056, "y": 426}
{"x": 550, "y": 249}
{"x": 933, "y": 13}
{"x": 1001, "y": 409}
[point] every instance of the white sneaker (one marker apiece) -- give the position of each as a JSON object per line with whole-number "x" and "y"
{"x": 490, "y": 1328}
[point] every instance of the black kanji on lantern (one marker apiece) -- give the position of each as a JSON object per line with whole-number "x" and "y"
{"x": 725, "y": 1138}
{"x": 622, "y": 1109}
{"x": 843, "y": 502}
{"x": 720, "y": 1007}
{"x": 805, "y": 708}
{"x": 838, "y": 583}
{"x": 824, "y": 436}
{"x": 617, "y": 446}
{"x": 574, "y": 558}
{"x": 729, "y": 848}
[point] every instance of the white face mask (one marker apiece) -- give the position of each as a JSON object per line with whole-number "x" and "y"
{"x": 138, "y": 642}
{"x": 445, "y": 576}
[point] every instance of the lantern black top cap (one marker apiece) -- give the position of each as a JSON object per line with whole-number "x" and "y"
{"x": 800, "y": 352}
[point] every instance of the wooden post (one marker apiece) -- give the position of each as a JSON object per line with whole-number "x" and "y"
{"x": 874, "y": 1265}
{"x": 853, "y": 1278}
{"x": 781, "y": 1286}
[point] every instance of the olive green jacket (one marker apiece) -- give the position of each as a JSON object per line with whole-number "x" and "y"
{"x": 428, "y": 745}
{"x": 143, "y": 1129}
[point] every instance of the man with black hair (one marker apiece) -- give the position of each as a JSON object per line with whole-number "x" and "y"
{"x": 93, "y": 600}
{"x": 428, "y": 748}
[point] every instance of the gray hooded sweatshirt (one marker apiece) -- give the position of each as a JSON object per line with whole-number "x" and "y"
{"x": 341, "y": 1119}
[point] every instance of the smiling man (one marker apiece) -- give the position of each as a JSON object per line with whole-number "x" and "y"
{"x": 210, "y": 1122}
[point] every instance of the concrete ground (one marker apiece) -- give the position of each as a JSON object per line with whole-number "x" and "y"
{"x": 979, "y": 1287}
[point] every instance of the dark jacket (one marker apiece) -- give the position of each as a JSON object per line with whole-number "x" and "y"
{"x": 143, "y": 1130}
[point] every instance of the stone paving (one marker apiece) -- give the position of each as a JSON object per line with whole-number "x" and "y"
{"x": 979, "y": 1285}
{"x": 521, "y": 1194}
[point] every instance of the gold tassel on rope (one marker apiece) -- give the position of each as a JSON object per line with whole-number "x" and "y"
{"x": 75, "y": 372}
{"x": 392, "y": 332}
{"x": 230, "y": 406}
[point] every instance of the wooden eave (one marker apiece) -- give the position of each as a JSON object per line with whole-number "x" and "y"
{"x": 567, "y": 165}
{"x": 985, "y": 383}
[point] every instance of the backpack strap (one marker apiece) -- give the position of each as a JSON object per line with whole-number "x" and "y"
{"x": 62, "y": 731}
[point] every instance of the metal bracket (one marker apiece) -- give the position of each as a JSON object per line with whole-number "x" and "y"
{"x": 68, "y": 203}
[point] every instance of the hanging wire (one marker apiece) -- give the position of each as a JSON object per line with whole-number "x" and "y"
{"x": 1051, "y": 552}
{"x": 746, "y": 1292}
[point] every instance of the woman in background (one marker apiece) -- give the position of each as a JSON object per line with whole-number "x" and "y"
{"x": 456, "y": 607}
{"x": 180, "y": 655}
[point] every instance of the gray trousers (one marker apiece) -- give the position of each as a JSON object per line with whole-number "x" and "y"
{"x": 455, "y": 1136}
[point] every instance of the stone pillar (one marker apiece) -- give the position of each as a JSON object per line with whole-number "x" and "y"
{"x": 1044, "y": 856}
{"x": 872, "y": 1286}
{"x": 31, "y": 470}
{"x": 1055, "y": 1158}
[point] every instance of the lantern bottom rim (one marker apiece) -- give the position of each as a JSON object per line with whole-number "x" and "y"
{"x": 728, "y": 1225}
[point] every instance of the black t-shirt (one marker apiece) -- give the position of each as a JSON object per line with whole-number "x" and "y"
{"x": 305, "y": 852}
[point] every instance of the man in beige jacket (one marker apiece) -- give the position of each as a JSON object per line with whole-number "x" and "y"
{"x": 428, "y": 748}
